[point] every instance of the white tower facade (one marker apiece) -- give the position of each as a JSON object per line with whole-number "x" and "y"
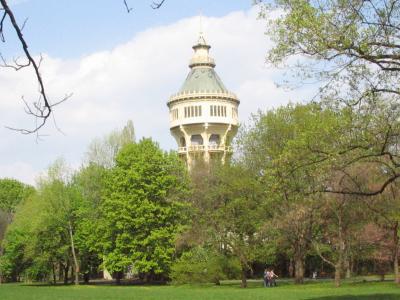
{"x": 203, "y": 114}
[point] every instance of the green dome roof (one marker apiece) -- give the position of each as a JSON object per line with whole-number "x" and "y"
{"x": 203, "y": 79}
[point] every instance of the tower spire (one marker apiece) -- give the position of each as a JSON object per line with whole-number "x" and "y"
{"x": 201, "y": 23}
{"x": 201, "y": 56}
{"x": 201, "y": 40}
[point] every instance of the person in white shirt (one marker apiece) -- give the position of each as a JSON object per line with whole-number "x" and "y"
{"x": 272, "y": 277}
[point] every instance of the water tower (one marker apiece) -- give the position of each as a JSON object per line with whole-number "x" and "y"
{"x": 203, "y": 114}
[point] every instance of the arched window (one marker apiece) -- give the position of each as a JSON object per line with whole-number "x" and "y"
{"x": 196, "y": 140}
{"x": 214, "y": 140}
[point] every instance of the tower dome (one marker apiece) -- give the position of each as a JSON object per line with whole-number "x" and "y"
{"x": 203, "y": 114}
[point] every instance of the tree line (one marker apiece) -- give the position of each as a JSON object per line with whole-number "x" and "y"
{"x": 132, "y": 209}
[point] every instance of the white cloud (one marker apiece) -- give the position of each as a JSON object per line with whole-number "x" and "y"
{"x": 21, "y": 170}
{"x": 133, "y": 81}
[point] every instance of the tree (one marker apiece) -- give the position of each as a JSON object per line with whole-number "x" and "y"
{"x": 296, "y": 224}
{"x": 228, "y": 215}
{"x": 143, "y": 210}
{"x": 102, "y": 152}
{"x": 352, "y": 47}
{"x": 275, "y": 147}
{"x": 12, "y": 193}
{"x": 90, "y": 181}
{"x": 342, "y": 219}
{"x": 55, "y": 229}
{"x": 19, "y": 240}
{"x": 63, "y": 201}
{"x": 386, "y": 213}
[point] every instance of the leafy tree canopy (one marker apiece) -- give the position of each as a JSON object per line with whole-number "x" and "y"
{"x": 143, "y": 209}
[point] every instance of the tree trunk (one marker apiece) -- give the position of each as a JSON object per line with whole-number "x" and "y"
{"x": 338, "y": 271}
{"x": 348, "y": 273}
{"x": 118, "y": 277}
{"x": 60, "y": 271}
{"x": 348, "y": 268}
{"x": 54, "y": 274}
{"x": 339, "y": 266}
{"x": 396, "y": 269}
{"x": 244, "y": 277}
{"x": 291, "y": 268}
{"x": 396, "y": 253}
{"x": 66, "y": 269}
{"x": 298, "y": 269}
{"x": 1, "y": 275}
{"x": 86, "y": 277}
{"x": 74, "y": 254}
{"x": 341, "y": 253}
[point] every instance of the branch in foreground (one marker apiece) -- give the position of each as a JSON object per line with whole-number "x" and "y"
{"x": 154, "y": 5}
{"x": 128, "y": 8}
{"x": 41, "y": 109}
{"x": 157, "y": 5}
{"x": 37, "y": 112}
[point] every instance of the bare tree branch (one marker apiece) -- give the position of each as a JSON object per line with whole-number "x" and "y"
{"x": 2, "y": 27}
{"x": 128, "y": 8}
{"x": 38, "y": 114}
{"x": 23, "y": 24}
{"x": 365, "y": 193}
{"x": 43, "y": 107}
{"x": 157, "y": 5}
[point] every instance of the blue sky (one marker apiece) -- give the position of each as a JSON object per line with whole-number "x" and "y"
{"x": 122, "y": 67}
{"x": 71, "y": 28}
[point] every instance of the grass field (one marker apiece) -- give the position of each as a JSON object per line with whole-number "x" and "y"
{"x": 227, "y": 291}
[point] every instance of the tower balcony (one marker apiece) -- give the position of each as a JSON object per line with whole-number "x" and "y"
{"x": 202, "y": 148}
{"x": 200, "y": 61}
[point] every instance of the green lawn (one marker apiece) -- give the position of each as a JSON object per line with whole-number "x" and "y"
{"x": 228, "y": 291}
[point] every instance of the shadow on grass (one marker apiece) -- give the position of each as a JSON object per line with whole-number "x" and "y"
{"x": 360, "y": 297}
{"x": 98, "y": 283}
{"x": 252, "y": 283}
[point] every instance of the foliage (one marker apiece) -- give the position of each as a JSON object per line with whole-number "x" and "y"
{"x": 90, "y": 181}
{"x": 143, "y": 209}
{"x": 102, "y": 151}
{"x": 202, "y": 265}
{"x": 276, "y": 146}
{"x": 353, "y": 47}
{"x": 12, "y": 192}
{"x": 42, "y": 234}
{"x": 228, "y": 213}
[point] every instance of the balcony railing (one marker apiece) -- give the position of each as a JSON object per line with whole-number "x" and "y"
{"x": 204, "y": 94}
{"x": 202, "y": 148}
{"x": 202, "y": 61}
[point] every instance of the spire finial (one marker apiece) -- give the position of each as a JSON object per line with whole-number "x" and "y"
{"x": 201, "y": 40}
{"x": 201, "y": 23}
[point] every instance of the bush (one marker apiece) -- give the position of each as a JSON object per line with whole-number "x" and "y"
{"x": 202, "y": 265}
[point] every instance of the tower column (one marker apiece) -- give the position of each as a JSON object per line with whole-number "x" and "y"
{"x": 205, "y": 135}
